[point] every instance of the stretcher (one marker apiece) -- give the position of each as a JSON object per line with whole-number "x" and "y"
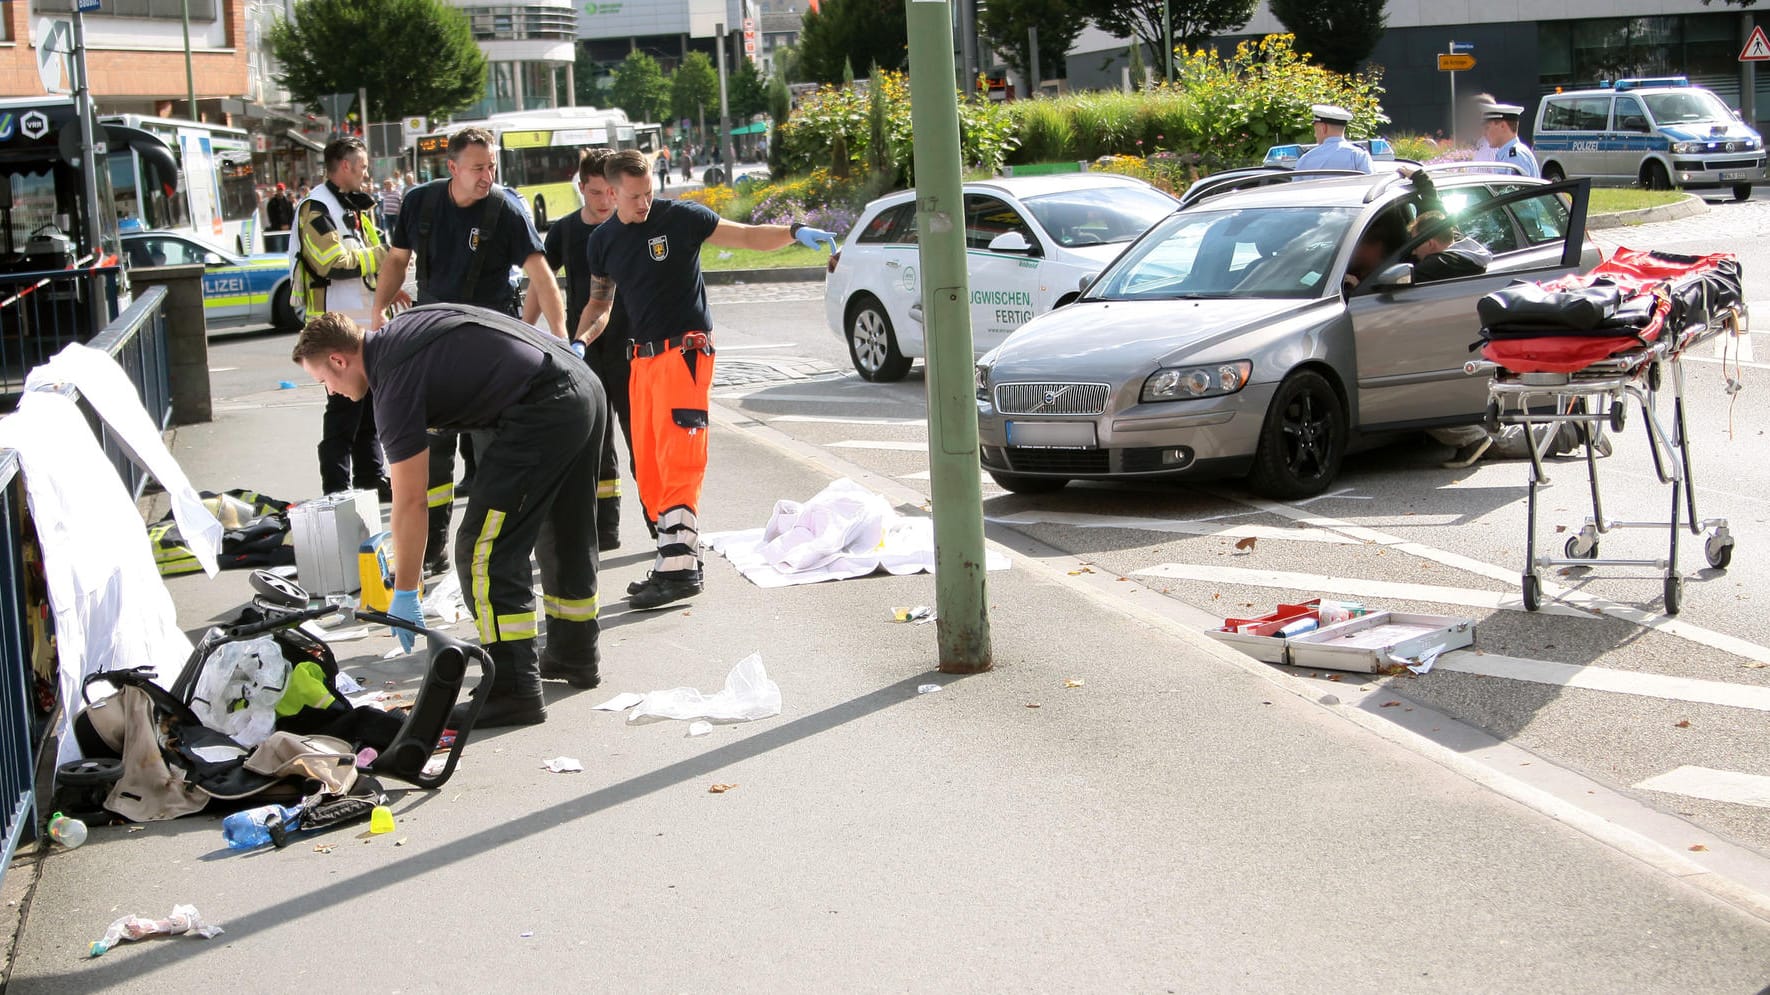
{"x": 1573, "y": 353}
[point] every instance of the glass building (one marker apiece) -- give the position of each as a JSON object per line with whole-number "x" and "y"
{"x": 530, "y": 47}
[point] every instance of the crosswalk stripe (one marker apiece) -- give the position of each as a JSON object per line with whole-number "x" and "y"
{"x": 1177, "y": 526}
{"x": 1715, "y": 785}
{"x": 857, "y": 420}
{"x": 899, "y": 447}
{"x": 1365, "y": 589}
{"x": 1610, "y": 680}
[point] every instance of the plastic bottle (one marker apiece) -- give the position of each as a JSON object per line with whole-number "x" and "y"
{"x": 66, "y": 831}
{"x": 250, "y": 829}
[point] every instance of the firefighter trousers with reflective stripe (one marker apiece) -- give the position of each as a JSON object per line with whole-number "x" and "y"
{"x": 535, "y": 492}
{"x": 608, "y": 359}
{"x": 350, "y": 451}
{"x": 441, "y": 493}
{"x": 669, "y": 394}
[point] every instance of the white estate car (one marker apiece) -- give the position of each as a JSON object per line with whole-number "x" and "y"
{"x": 1030, "y": 242}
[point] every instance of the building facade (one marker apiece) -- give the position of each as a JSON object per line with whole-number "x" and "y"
{"x": 531, "y": 47}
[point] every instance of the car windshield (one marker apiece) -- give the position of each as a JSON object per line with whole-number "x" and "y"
{"x": 1253, "y": 253}
{"x": 1687, "y": 107}
{"x": 1100, "y": 215}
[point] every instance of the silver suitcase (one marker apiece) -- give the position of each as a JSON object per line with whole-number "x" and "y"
{"x": 328, "y": 531}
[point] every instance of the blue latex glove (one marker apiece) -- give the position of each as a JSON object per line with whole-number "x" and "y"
{"x": 578, "y": 347}
{"x": 811, "y": 237}
{"x": 405, "y": 606}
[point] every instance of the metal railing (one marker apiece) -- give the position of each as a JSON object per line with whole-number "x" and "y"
{"x": 41, "y": 312}
{"x": 137, "y": 340}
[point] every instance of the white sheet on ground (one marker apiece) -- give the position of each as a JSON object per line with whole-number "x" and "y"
{"x": 845, "y": 531}
{"x": 107, "y": 388}
{"x": 112, "y": 611}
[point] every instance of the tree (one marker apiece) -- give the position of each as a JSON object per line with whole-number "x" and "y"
{"x": 1191, "y": 21}
{"x": 640, "y": 88}
{"x": 415, "y": 57}
{"x": 853, "y": 31}
{"x": 1005, "y": 23}
{"x": 780, "y": 108}
{"x": 694, "y": 86}
{"x": 746, "y": 91}
{"x": 591, "y": 79}
{"x": 1337, "y": 34}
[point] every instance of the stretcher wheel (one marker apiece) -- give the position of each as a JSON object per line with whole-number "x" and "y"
{"x": 1492, "y": 420}
{"x": 1719, "y": 550}
{"x": 1674, "y": 595}
{"x": 1577, "y": 549}
{"x": 278, "y": 590}
{"x": 1653, "y": 377}
{"x": 1533, "y": 593}
{"x": 1619, "y": 415}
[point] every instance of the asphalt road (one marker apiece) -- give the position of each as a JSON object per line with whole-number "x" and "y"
{"x": 1673, "y": 713}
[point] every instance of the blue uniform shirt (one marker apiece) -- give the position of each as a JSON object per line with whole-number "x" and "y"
{"x": 656, "y": 266}
{"x": 1336, "y": 153}
{"x": 1518, "y": 154}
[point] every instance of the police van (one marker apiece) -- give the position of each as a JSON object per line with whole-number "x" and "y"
{"x": 1658, "y": 133}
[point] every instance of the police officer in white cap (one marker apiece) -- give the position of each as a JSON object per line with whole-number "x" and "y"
{"x": 1500, "y": 124}
{"x": 1332, "y": 150}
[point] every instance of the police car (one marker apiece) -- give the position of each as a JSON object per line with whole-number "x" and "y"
{"x": 1655, "y": 132}
{"x": 1287, "y": 155}
{"x": 1030, "y": 243}
{"x": 238, "y": 291}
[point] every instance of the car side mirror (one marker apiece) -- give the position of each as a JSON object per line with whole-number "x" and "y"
{"x": 211, "y": 259}
{"x": 1398, "y": 275}
{"x": 1011, "y": 242}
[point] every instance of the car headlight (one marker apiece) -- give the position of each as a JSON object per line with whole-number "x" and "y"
{"x": 1686, "y": 148}
{"x": 981, "y": 374}
{"x": 1186, "y": 383}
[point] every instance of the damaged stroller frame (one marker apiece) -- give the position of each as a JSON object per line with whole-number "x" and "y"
{"x": 1574, "y": 351}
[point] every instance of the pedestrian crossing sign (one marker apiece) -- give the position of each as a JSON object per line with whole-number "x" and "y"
{"x": 1757, "y": 47}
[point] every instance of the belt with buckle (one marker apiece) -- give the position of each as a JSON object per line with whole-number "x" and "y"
{"x": 686, "y": 342}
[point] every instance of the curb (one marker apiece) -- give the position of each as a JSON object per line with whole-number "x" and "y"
{"x": 788, "y": 274}
{"x": 1690, "y": 206}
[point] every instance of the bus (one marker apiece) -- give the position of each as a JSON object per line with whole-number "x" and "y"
{"x": 539, "y": 150}
{"x": 218, "y": 197}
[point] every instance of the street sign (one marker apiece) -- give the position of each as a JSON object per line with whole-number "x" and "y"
{"x": 55, "y": 46}
{"x": 1459, "y": 47}
{"x": 412, "y": 127}
{"x": 1455, "y": 63}
{"x": 1757, "y": 47}
{"x": 86, "y": 6}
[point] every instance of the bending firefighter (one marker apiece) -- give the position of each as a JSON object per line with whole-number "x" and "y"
{"x": 334, "y": 260}
{"x": 542, "y": 415}
{"x": 651, "y": 249}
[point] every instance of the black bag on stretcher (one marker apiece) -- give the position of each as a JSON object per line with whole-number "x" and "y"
{"x": 1633, "y": 299}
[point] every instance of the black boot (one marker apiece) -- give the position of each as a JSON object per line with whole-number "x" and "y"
{"x": 578, "y": 675}
{"x": 507, "y": 709}
{"x": 660, "y": 589}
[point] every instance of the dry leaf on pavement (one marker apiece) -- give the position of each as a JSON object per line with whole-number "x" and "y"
{"x": 1390, "y": 704}
{"x": 1698, "y": 848}
{"x": 1247, "y": 543}
{"x": 1682, "y": 723}
{"x": 1074, "y": 682}
{"x": 719, "y": 789}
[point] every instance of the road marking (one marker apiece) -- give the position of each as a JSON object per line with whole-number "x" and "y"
{"x": 1608, "y": 679}
{"x": 753, "y": 348}
{"x": 1367, "y": 589}
{"x": 1344, "y": 494}
{"x": 1715, "y": 785}
{"x": 747, "y": 391}
{"x": 222, "y": 369}
{"x": 1729, "y": 363}
{"x": 899, "y": 447}
{"x": 857, "y": 420}
{"x": 1551, "y": 590}
{"x": 1080, "y": 519}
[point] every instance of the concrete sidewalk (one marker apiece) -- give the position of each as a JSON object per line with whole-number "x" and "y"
{"x": 1176, "y": 823}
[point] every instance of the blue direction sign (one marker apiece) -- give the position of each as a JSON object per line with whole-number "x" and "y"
{"x": 1456, "y": 47}
{"x": 87, "y": 6}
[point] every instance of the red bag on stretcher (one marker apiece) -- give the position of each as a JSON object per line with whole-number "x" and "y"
{"x": 1625, "y": 303}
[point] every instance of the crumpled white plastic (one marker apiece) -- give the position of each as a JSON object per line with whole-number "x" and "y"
{"x": 238, "y": 690}
{"x": 444, "y": 601}
{"x": 748, "y": 695}
{"x": 184, "y": 919}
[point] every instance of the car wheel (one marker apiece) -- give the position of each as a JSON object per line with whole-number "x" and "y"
{"x": 1655, "y": 177}
{"x": 1303, "y": 439}
{"x": 872, "y": 345}
{"x": 1742, "y": 191}
{"x": 1553, "y": 173}
{"x": 1018, "y": 484}
{"x": 282, "y": 310}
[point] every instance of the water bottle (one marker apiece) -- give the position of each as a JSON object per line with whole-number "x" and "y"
{"x": 250, "y": 829}
{"x": 68, "y": 832}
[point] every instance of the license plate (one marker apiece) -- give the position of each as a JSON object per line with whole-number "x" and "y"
{"x": 1051, "y": 435}
{"x": 1732, "y": 176}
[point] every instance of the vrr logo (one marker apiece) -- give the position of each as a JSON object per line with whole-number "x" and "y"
{"x": 34, "y": 124}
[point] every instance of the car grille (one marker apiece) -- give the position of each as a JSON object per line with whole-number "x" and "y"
{"x": 1714, "y": 164}
{"x": 1058, "y": 460}
{"x": 1064, "y": 398}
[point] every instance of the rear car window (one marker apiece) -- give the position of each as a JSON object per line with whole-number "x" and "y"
{"x": 1491, "y": 228}
{"x": 1576, "y": 114}
{"x": 894, "y": 224}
